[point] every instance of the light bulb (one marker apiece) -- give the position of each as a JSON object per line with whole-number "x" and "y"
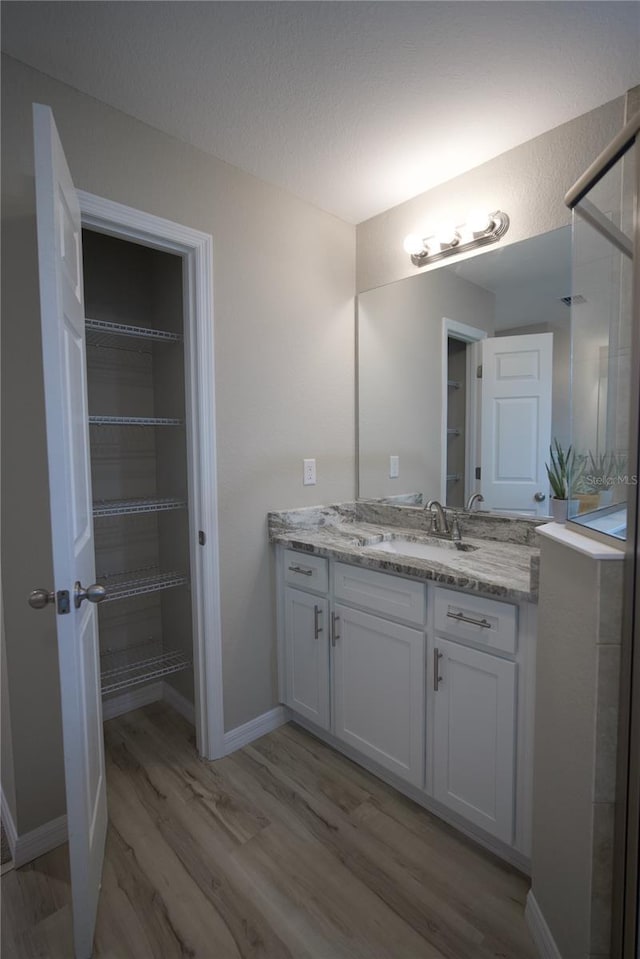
{"x": 479, "y": 221}
{"x": 413, "y": 244}
{"x": 446, "y": 235}
{"x": 466, "y": 234}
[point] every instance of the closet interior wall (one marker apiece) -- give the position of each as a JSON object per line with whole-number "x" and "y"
{"x": 139, "y": 470}
{"x": 456, "y": 417}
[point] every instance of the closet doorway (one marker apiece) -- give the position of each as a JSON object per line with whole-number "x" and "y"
{"x": 150, "y": 383}
{"x": 460, "y": 429}
{"x": 139, "y": 375}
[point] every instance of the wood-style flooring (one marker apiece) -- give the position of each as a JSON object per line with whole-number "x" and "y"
{"x": 283, "y": 850}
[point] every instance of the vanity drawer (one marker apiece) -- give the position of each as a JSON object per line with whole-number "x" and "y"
{"x": 474, "y": 618}
{"x": 306, "y": 571}
{"x": 394, "y": 597}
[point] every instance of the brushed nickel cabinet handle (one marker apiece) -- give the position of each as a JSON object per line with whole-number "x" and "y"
{"x": 299, "y": 569}
{"x": 317, "y": 628}
{"x": 334, "y": 632}
{"x": 437, "y": 656}
{"x": 461, "y": 618}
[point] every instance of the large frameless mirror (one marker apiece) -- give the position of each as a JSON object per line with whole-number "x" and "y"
{"x": 464, "y": 378}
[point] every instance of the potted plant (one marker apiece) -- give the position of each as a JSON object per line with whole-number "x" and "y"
{"x": 563, "y": 472}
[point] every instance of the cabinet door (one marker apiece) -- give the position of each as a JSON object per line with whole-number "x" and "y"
{"x": 378, "y": 670}
{"x": 474, "y": 736}
{"x": 307, "y": 655}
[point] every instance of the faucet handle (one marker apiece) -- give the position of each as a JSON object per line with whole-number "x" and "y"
{"x": 456, "y": 535}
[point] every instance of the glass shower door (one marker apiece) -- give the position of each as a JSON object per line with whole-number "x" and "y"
{"x": 605, "y": 329}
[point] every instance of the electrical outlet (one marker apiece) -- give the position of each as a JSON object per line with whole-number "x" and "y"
{"x": 309, "y": 473}
{"x": 394, "y": 467}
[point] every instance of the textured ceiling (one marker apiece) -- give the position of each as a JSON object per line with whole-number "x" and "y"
{"x": 354, "y": 106}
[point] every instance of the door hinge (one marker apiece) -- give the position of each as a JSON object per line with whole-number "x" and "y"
{"x": 479, "y": 372}
{"x": 202, "y": 537}
{"x": 62, "y": 601}
{"x": 478, "y": 472}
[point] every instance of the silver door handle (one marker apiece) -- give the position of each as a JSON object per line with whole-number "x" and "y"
{"x": 437, "y": 656}
{"x": 95, "y": 594}
{"x": 317, "y": 628}
{"x": 39, "y": 598}
{"x": 299, "y": 569}
{"x": 334, "y": 632}
{"x": 461, "y": 618}
{"x": 539, "y": 497}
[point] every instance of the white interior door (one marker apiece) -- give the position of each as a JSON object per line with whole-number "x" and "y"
{"x": 63, "y": 344}
{"x": 517, "y": 374}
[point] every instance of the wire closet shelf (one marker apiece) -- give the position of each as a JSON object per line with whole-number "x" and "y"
{"x": 126, "y": 507}
{"x": 130, "y": 666}
{"x": 103, "y": 333}
{"x": 139, "y": 582}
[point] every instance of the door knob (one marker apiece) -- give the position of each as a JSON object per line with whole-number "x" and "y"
{"x": 39, "y": 598}
{"x": 539, "y": 497}
{"x": 95, "y": 594}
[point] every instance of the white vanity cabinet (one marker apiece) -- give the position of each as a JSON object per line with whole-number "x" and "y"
{"x": 378, "y": 682}
{"x": 474, "y": 720}
{"x": 378, "y": 668}
{"x": 474, "y": 736}
{"x": 307, "y": 655}
{"x": 429, "y": 684}
{"x": 306, "y": 637}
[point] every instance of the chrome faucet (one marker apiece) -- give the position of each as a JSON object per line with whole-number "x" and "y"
{"x": 438, "y": 518}
{"x": 474, "y": 498}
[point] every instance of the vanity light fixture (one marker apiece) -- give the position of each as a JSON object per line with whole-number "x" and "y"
{"x": 479, "y": 228}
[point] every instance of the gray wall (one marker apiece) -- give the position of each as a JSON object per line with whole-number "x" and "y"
{"x": 400, "y": 377}
{"x": 283, "y": 302}
{"x": 528, "y": 182}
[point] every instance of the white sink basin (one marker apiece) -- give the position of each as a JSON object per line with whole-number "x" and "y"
{"x": 407, "y": 547}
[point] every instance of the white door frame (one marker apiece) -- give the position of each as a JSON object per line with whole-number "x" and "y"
{"x": 468, "y": 334}
{"x": 196, "y": 250}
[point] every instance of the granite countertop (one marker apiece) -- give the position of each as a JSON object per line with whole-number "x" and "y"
{"x": 505, "y": 566}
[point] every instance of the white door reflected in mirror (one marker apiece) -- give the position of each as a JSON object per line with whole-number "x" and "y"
{"x": 517, "y": 374}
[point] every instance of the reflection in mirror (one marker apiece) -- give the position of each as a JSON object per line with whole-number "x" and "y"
{"x": 602, "y": 280}
{"x": 421, "y": 344}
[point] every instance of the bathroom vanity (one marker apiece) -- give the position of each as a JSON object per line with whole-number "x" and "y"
{"x": 415, "y": 656}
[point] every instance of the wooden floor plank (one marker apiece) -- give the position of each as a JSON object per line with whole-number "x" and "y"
{"x": 325, "y": 901}
{"x": 283, "y": 850}
{"x": 433, "y": 914}
{"x": 175, "y": 769}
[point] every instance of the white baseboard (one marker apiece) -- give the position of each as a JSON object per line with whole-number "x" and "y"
{"x": 9, "y": 825}
{"x": 539, "y": 930}
{"x": 179, "y": 702}
{"x": 260, "y": 726}
{"x": 35, "y": 843}
{"x": 39, "y": 841}
{"x": 132, "y": 699}
{"x": 136, "y": 698}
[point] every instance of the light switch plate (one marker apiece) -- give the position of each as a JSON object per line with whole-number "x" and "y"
{"x": 309, "y": 473}
{"x": 394, "y": 467}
